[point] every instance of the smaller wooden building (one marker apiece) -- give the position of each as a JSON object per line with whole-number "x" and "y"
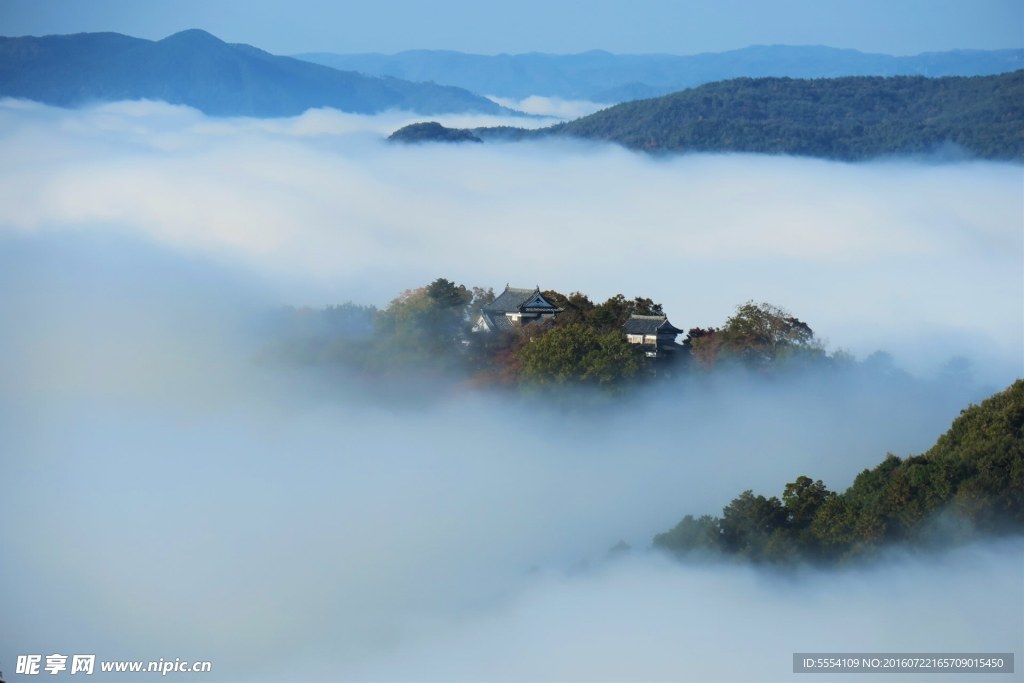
{"x": 654, "y": 334}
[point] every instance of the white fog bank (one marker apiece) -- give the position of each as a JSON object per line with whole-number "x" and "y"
{"x": 922, "y": 260}
{"x": 168, "y": 492}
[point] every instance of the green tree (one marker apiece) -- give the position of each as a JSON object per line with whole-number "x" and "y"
{"x": 802, "y": 498}
{"x": 446, "y": 295}
{"x": 576, "y": 308}
{"x": 983, "y": 453}
{"x": 578, "y": 354}
{"x": 750, "y": 522}
{"x": 613, "y": 313}
{"x": 423, "y": 326}
{"x": 701, "y": 534}
{"x": 837, "y": 528}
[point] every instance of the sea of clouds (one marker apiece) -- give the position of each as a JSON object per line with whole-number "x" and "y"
{"x": 168, "y": 492}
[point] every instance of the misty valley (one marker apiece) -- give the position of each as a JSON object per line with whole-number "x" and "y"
{"x": 560, "y": 352}
{"x": 321, "y": 474}
{"x": 639, "y": 402}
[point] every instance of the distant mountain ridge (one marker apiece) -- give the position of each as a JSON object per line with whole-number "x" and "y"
{"x": 197, "y": 69}
{"x": 848, "y": 118}
{"x": 851, "y": 118}
{"x": 604, "y": 77}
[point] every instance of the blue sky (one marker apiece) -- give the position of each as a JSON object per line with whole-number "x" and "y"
{"x": 557, "y": 26}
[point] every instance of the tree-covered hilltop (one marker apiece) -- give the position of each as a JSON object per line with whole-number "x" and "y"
{"x": 432, "y": 131}
{"x": 433, "y": 334}
{"x": 970, "y": 482}
{"x": 848, "y": 119}
{"x": 427, "y": 333}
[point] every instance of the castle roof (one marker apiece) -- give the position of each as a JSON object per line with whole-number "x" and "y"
{"x": 650, "y": 324}
{"x": 515, "y": 300}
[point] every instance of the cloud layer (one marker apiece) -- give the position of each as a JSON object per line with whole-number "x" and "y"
{"x": 167, "y": 494}
{"x": 923, "y": 260}
{"x": 550, "y": 106}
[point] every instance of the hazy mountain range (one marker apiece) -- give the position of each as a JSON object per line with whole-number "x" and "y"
{"x": 604, "y": 77}
{"x": 199, "y": 70}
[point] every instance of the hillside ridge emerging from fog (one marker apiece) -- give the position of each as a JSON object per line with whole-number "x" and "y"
{"x": 841, "y": 118}
{"x": 974, "y": 475}
{"x": 197, "y": 69}
{"x": 848, "y": 119}
{"x": 601, "y": 76}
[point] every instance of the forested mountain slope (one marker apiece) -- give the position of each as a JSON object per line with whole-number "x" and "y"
{"x": 839, "y": 118}
{"x": 969, "y": 484}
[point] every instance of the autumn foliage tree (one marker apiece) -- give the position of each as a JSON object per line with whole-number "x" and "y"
{"x": 757, "y": 335}
{"x": 760, "y": 334}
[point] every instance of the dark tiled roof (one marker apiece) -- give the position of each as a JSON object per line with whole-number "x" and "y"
{"x": 496, "y": 321}
{"x": 514, "y": 300}
{"x": 510, "y": 300}
{"x": 650, "y": 324}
